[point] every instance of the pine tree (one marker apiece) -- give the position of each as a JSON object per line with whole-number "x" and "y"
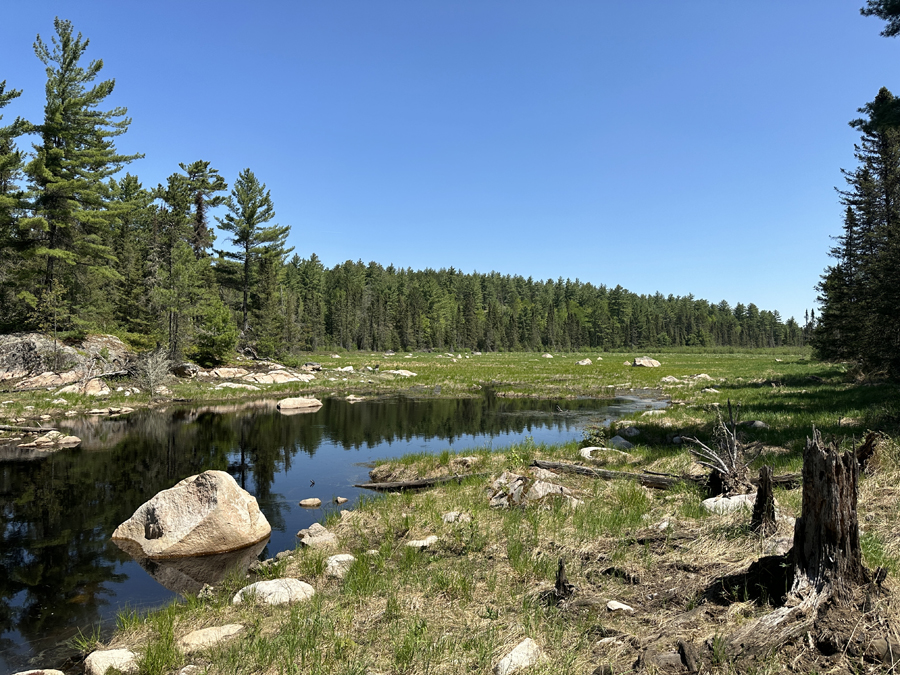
{"x": 204, "y": 184}
{"x": 249, "y": 208}
{"x": 12, "y": 205}
{"x": 69, "y": 226}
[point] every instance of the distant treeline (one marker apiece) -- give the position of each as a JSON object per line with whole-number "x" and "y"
{"x": 84, "y": 249}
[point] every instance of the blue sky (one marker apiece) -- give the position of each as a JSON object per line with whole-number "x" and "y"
{"x": 682, "y": 147}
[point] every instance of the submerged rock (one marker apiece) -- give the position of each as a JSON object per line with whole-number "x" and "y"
{"x": 203, "y": 514}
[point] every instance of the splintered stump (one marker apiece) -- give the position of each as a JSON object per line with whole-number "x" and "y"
{"x": 763, "y": 519}
{"x": 826, "y": 557}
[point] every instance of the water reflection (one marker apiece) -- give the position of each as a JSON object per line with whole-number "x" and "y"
{"x": 58, "y": 566}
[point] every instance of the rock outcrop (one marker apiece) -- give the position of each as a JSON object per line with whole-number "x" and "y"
{"x": 40, "y": 361}
{"x": 202, "y": 515}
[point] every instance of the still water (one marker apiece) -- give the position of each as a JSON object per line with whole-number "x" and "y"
{"x": 59, "y": 571}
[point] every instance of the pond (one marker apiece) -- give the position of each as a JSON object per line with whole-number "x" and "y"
{"x": 61, "y": 574}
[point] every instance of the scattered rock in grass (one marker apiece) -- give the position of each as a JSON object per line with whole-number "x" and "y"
{"x": 543, "y": 474}
{"x": 584, "y": 362}
{"x": 670, "y": 379}
{"x": 335, "y": 356}
{"x": 525, "y": 654}
{"x": 317, "y": 536}
{"x": 340, "y": 500}
{"x": 276, "y": 592}
{"x": 208, "y": 637}
{"x": 236, "y": 385}
{"x": 511, "y": 489}
{"x": 227, "y": 373}
{"x": 709, "y": 390}
{"x": 616, "y": 606}
{"x": 283, "y": 555}
{"x": 52, "y": 440}
{"x": 311, "y": 503}
{"x": 645, "y": 362}
{"x": 722, "y": 505}
{"x": 463, "y": 462}
{"x": 422, "y": 544}
{"x": 702, "y": 377}
{"x": 605, "y": 455}
{"x": 754, "y": 424}
{"x": 547, "y": 356}
{"x": 653, "y": 413}
{"x": 620, "y": 443}
{"x": 401, "y": 373}
{"x": 337, "y": 566}
{"x": 456, "y": 517}
{"x": 630, "y": 432}
{"x": 123, "y": 660}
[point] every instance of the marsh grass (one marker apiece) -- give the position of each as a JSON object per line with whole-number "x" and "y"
{"x": 462, "y": 604}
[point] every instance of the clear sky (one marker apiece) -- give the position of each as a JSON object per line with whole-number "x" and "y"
{"x": 687, "y": 147}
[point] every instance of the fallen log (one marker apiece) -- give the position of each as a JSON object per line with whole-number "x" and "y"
{"x": 419, "y": 483}
{"x": 651, "y": 479}
{"x": 27, "y": 430}
{"x": 646, "y": 479}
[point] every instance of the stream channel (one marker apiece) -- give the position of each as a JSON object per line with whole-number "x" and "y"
{"x": 60, "y": 574}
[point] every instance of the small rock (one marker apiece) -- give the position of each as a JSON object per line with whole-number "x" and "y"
{"x": 298, "y": 403}
{"x": 709, "y": 390}
{"x": 97, "y": 663}
{"x": 340, "y": 500}
{"x": 670, "y": 379}
{"x": 547, "y": 356}
{"x": 616, "y": 606}
{"x": 779, "y": 546}
{"x": 456, "y": 517}
{"x": 52, "y": 439}
{"x": 311, "y": 503}
{"x": 189, "y": 370}
{"x": 463, "y": 462}
{"x": 401, "y": 373}
{"x": 276, "y": 591}
{"x": 584, "y": 362}
{"x": 755, "y": 424}
{"x": 316, "y": 536}
{"x": 630, "y": 432}
{"x": 283, "y": 555}
{"x": 652, "y": 413}
{"x": 422, "y": 544}
{"x": 337, "y": 566}
{"x": 525, "y": 654}
{"x": 722, "y": 505}
{"x": 208, "y": 637}
{"x": 620, "y": 443}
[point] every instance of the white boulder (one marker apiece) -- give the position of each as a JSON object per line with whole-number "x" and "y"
{"x": 123, "y": 660}
{"x": 276, "y": 592}
{"x": 525, "y": 654}
{"x": 203, "y": 514}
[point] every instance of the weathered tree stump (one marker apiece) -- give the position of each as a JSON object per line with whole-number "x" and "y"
{"x": 763, "y": 519}
{"x": 827, "y": 559}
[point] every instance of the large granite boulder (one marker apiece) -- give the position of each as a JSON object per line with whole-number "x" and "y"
{"x": 645, "y": 362}
{"x": 204, "y": 514}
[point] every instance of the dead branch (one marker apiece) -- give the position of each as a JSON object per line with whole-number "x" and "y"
{"x": 419, "y": 483}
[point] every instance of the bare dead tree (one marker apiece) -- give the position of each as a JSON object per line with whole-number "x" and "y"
{"x": 728, "y": 461}
{"x": 152, "y": 368}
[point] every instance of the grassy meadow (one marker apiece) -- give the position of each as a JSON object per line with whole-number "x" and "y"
{"x": 462, "y": 604}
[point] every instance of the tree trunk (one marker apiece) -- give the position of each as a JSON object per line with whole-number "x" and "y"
{"x": 827, "y": 559}
{"x": 763, "y": 520}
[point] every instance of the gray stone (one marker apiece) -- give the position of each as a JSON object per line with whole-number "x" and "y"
{"x": 186, "y": 370}
{"x": 208, "y": 637}
{"x": 97, "y": 663}
{"x": 630, "y": 432}
{"x": 422, "y": 544}
{"x": 620, "y": 443}
{"x": 316, "y": 536}
{"x": 723, "y": 505}
{"x": 299, "y": 403}
{"x": 584, "y": 362}
{"x": 337, "y": 566}
{"x": 276, "y": 592}
{"x": 201, "y": 515}
{"x": 645, "y": 362}
{"x": 525, "y": 654}
{"x": 311, "y": 503}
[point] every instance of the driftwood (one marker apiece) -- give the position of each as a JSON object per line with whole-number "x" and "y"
{"x": 418, "y": 484}
{"x": 27, "y": 430}
{"x": 651, "y": 479}
{"x": 827, "y": 559}
{"x": 763, "y": 519}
